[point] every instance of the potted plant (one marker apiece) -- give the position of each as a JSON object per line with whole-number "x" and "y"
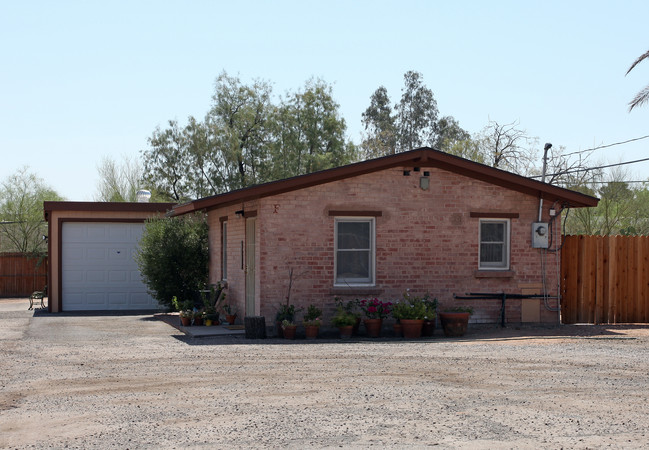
{"x": 198, "y": 318}
{"x": 184, "y": 311}
{"x": 350, "y": 307}
{"x": 455, "y": 320}
{"x": 375, "y": 311}
{"x": 285, "y": 312}
{"x": 230, "y": 313}
{"x": 289, "y": 329}
{"x": 431, "y": 314}
{"x": 344, "y": 321}
{"x": 311, "y": 321}
{"x": 410, "y": 312}
{"x": 211, "y": 316}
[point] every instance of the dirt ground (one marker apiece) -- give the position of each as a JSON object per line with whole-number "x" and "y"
{"x": 124, "y": 381}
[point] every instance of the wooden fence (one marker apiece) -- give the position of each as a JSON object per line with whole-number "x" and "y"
{"x": 605, "y": 279}
{"x": 21, "y": 274}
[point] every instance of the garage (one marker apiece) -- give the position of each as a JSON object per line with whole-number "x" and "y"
{"x": 99, "y": 271}
{"x": 91, "y": 250}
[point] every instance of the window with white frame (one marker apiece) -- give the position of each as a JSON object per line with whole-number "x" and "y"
{"x": 494, "y": 244}
{"x": 224, "y": 250}
{"x": 354, "y": 246}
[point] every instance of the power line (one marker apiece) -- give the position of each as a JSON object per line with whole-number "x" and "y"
{"x": 607, "y": 145}
{"x": 593, "y": 168}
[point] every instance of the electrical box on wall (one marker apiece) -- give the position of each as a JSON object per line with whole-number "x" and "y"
{"x": 540, "y": 234}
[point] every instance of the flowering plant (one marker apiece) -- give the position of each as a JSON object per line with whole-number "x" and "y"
{"x": 375, "y": 308}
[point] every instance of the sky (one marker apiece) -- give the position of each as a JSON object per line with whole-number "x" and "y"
{"x": 82, "y": 81}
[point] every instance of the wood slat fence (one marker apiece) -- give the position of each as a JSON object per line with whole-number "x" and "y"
{"x": 605, "y": 279}
{"x": 21, "y": 274}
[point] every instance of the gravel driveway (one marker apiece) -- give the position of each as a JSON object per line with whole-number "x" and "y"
{"x": 136, "y": 382}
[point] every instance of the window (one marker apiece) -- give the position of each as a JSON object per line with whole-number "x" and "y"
{"x": 354, "y": 247}
{"x": 224, "y": 250}
{"x": 494, "y": 244}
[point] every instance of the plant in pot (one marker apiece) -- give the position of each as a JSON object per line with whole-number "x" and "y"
{"x": 350, "y": 307}
{"x": 198, "y": 318}
{"x": 284, "y": 313}
{"x": 344, "y": 321}
{"x": 184, "y": 310}
{"x": 211, "y": 316}
{"x": 230, "y": 313}
{"x": 312, "y": 321}
{"x": 375, "y": 311}
{"x": 410, "y": 313}
{"x": 431, "y": 315}
{"x": 289, "y": 328}
{"x": 455, "y": 321}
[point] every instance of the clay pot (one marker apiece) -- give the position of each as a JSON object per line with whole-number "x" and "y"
{"x": 454, "y": 323}
{"x": 373, "y": 327}
{"x": 412, "y": 328}
{"x": 185, "y": 321}
{"x": 346, "y": 331}
{"x": 231, "y": 318}
{"x": 311, "y": 331}
{"x": 289, "y": 332}
{"x": 397, "y": 330}
{"x": 198, "y": 321}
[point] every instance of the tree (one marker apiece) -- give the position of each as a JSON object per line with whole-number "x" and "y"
{"x": 119, "y": 182}
{"x": 414, "y": 122}
{"x": 238, "y": 119}
{"x": 166, "y": 163}
{"x": 245, "y": 139}
{"x": 643, "y": 96}
{"x": 173, "y": 257}
{"x": 416, "y": 113}
{"x": 380, "y": 126}
{"x": 504, "y": 147}
{"x": 21, "y": 212}
{"x": 308, "y": 133}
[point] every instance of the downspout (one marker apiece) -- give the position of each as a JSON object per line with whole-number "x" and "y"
{"x": 547, "y": 147}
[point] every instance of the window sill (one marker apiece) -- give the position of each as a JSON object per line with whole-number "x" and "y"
{"x": 356, "y": 290}
{"x": 494, "y": 274}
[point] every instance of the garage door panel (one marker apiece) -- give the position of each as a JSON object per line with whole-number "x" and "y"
{"x": 99, "y": 271}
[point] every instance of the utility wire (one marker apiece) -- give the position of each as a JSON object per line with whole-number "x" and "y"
{"x": 607, "y": 145}
{"x": 592, "y": 168}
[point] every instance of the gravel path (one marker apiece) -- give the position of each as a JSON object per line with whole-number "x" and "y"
{"x": 135, "y": 382}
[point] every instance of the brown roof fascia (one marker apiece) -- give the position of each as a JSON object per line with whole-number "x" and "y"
{"x": 423, "y": 157}
{"x": 106, "y": 207}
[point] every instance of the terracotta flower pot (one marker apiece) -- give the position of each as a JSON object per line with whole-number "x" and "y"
{"x": 311, "y": 331}
{"x": 373, "y": 327}
{"x": 397, "y": 330}
{"x": 198, "y": 321}
{"x": 454, "y": 323}
{"x": 231, "y": 318}
{"x": 346, "y": 331}
{"x": 289, "y": 332}
{"x": 185, "y": 321}
{"x": 412, "y": 328}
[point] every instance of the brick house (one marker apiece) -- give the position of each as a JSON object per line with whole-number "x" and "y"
{"x": 421, "y": 220}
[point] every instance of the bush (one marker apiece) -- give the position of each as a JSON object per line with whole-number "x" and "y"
{"x": 173, "y": 257}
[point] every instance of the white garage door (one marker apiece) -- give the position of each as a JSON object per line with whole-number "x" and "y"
{"x": 99, "y": 271}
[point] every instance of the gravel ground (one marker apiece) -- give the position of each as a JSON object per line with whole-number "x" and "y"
{"x": 72, "y": 381}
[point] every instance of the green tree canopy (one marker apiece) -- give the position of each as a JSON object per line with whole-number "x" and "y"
{"x": 22, "y": 223}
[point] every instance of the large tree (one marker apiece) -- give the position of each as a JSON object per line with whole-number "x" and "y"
{"x": 416, "y": 113}
{"x": 119, "y": 182}
{"x": 412, "y": 122}
{"x": 643, "y": 96}
{"x": 245, "y": 139}
{"x": 21, "y": 212}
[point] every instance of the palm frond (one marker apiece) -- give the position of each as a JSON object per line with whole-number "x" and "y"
{"x": 641, "y": 98}
{"x": 637, "y": 61}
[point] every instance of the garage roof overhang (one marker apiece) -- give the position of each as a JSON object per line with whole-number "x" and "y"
{"x": 162, "y": 208}
{"x": 423, "y": 157}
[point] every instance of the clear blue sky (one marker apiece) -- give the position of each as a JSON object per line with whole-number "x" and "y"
{"x": 84, "y": 80}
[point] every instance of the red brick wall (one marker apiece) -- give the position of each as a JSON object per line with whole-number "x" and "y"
{"x": 425, "y": 241}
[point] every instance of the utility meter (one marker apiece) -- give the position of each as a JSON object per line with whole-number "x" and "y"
{"x": 540, "y": 234}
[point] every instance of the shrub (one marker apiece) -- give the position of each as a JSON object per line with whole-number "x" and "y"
{"x": 173, "y": 257}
